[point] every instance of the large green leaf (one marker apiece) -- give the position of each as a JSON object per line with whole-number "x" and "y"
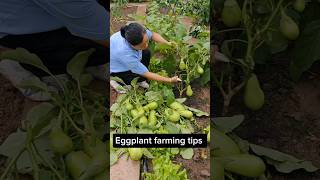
{"x": 205, "y": 78}
{"x": 117, "y": 79}
{"x": 40, "y": 118}
{"x": 23, "y": 56}
{"x": 169, "y": 64}
{"x": 13, "y": 144}
{"x": 77, "y": 64}
{"x": 154, "y": 96}
{"x": 198, "y": 112}
{"x": 282, "y": 162}
{"x": 306, "y": 50}
{"x": 288, "y": 166}
{"x": 24, "y": 163}
{"x": 272, "y": 154}
{"x": 274, "y": 38}
{"x": 228, "y": 124}
{"x": 186, "y": 153}
{"x": 172, "y": 128}
{"x": 35, "y": 84}
{"x": 45, "y": 174}
{"x": 85, "y": 79}
{"x": 43, "y": 146}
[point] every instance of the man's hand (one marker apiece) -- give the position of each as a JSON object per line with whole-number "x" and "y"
{"x": 175, "y": 79}
{"x": 157, "y": 77}
{"x": 173, "y": 44}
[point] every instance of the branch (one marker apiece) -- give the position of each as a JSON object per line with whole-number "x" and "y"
{"x": 237, "y": 88}
{"x": 271, "y": 18}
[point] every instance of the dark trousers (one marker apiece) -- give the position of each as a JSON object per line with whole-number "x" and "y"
{"x": 55, "y": 49}
{"x": 128, "y": 76}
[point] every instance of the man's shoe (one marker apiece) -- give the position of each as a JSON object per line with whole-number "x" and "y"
{"x": 99, "y": 72}
{"x": 143, "y": 84}
{"x": 16, "y": 74}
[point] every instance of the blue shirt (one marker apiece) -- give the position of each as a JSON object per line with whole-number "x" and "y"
{"x": 123, "y": 57}
{"x": 83, "y": 18}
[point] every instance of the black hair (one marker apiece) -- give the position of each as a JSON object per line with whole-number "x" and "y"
{"x": 133, "y": 33}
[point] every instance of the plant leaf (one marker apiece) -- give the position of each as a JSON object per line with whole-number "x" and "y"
{"x": 205, "y": 78}
{"x": 174, "y": 151}
{"x": 77, "y": 64}
{"x": 186, "y": 153}
{"x": 147, "y": 153}
{"x": 43, "y": 146}
{"x": 228, "y": 124}
{"x": 24, "y": 163}
{"x": 134, "y": 82}
{"x": 13, "y": 144}
{"x": 85, "y": 79}
{"x": 113, "y": 158}
{"x": 181, "y": 100}
{"x": 306, "y": 50}
{"x": 288, "y": 166}
{"x": 154, "y": 96}
{"x": 114, "y": 107}
{"x": 171, "y": 128}
{"x": 34, "y": 83}
{"x": 243, "y": 145}
{"x": 23, "y": 56}
{"x": 272, "y": 154}
{"x": 198, "y": 112}
{"x": 145, "y": 131}
{"x": 40, "y": 118}
{"x": 117, "y": 79}
{"x": 169, "y": 64}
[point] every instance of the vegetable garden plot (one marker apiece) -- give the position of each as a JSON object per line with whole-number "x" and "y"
{"x": 61, "y": 139}
{"x": 265, "y": 45}
{"x": 169, "y": 113}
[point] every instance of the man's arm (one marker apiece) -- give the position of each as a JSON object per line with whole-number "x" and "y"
{"x": 157, "y": 77}
{"x": 158, "y": 38}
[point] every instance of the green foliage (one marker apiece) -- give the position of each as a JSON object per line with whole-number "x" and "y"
{"x": 247, "y": 163}
{"x": 76, "y": 111}
{"x": 199, "y": 9}
{"x": 165, "y": 169}
{"x": 307, "y": 50}
{"x": 194, "y": 55}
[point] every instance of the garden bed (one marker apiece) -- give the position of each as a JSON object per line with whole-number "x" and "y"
{"x": 198, "y": 167}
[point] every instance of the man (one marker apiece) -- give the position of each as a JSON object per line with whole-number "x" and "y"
{"x": 55, "y": 30}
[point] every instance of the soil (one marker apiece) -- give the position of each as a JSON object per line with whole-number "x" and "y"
{"x": 11, "y": 113}
{"x": 11, "y": 108}
{"x": 289, "y": 120}
{"x": 118, "y": 21}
